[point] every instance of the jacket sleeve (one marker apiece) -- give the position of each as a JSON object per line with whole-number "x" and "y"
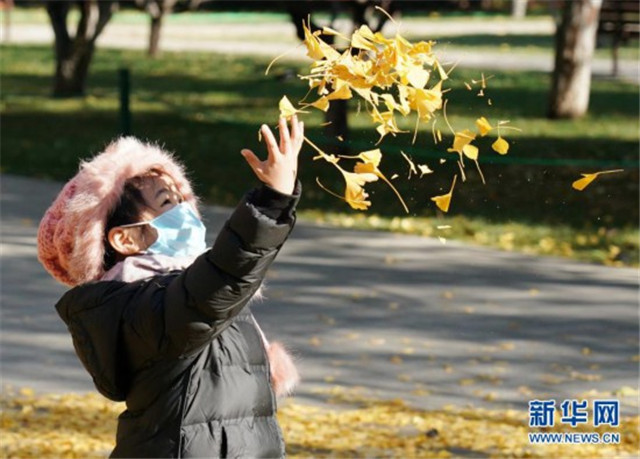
{"x": 201, "y": 301}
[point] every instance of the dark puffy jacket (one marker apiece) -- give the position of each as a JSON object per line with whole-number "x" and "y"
{"x": 182, "y": 349}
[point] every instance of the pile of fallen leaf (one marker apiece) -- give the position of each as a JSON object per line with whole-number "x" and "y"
{"x": 83, "y": 425}
{"x": 394, "y": 78}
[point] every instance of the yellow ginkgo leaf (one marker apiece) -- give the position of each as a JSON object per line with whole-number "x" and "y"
{"x": 501, "y": 146}
{"x": 461, "y": 140}
{"x": 582, "y": 183}
{"x": 312, "y": 43}
{"x": 287, "y": 110}
{"x": 371, "y": 168}
{"x": 342, "y": 92}
{"x": 354, "y": 192}
{"x": 371, "y": 156}
{"x": 444, "y": 201}
{"x": 441, "y": 72}
{"x": 483, "y": 126}
{"x": 586, "y": 179}
{"x": 470, "y": 151}
{"x": 362, "y": 38}
{"x": 418, "y": 77}
{"x": 322, "y": 104}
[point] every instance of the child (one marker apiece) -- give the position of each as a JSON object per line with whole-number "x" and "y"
{"x": 159, "y": 321}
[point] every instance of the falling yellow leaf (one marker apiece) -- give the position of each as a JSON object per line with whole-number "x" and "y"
{"x": 287, "y": 110}
{"x": 501, "y": 146}
{"x": 461, "y": 140}
{"x": 321, "y": 104}
{"x": 424, "y": 169}
{"x": 483, "y": 126}
{"x": 370, "y": 165}
{"x": 444, "y": 200}
{"x": 470, "y": 151}
{"x": 586, "y": 179}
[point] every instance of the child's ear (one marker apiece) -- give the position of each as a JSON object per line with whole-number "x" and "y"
{"x": 126, "y": 241}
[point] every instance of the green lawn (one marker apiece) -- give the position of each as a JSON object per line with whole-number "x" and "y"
{"x": 207, "y": 107}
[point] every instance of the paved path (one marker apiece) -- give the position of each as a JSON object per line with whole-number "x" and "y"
{"x": 273, "y": 39}
{"x": 402, "y": 316}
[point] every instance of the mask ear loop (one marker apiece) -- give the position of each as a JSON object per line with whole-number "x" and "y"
{"x": 130, "y": 225}
{"x": 133, "y": 225}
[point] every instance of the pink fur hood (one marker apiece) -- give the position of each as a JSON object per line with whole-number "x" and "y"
{"x": 71, "y": 233}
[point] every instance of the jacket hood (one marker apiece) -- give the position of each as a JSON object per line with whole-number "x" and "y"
{"x": 71, "y": 232}
{"x": 94, "y": 320}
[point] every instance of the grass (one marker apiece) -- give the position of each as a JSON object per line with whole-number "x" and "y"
{"x": 207, "y": 107}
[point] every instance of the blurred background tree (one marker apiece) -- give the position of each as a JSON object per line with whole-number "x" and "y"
{"x": 575, "y": 43}
{"x": 74, "y": 50}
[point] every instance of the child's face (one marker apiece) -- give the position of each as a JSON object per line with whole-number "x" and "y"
{"x": 160, "y": 194}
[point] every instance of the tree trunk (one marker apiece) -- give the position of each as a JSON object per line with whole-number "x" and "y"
{"x": 338, "y": 127}
{"x": 157, "y": 10}
{"x": 73, "y": 54}
{"x": 575, "y": 42}
{"x": 72, "y": 68}
{"x": 154, "y": 36}
{"x": 518, "y": 9}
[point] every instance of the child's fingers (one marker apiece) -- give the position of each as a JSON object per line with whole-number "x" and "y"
{"x": 285, "y": 137}
{"x": 270, "y": 140}
{"x": 295, "y": 130}
{"x": 253, "y": 161}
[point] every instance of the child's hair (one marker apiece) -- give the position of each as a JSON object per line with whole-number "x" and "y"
{"x": 71, "y": 236}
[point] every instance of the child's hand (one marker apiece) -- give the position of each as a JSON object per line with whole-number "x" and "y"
{"x": 281, "y": 167}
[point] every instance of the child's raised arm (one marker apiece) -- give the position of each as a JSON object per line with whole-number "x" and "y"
{"x": 202, "y": 301}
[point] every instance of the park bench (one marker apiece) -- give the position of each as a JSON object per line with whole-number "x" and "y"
{"x": 619, "y": 19}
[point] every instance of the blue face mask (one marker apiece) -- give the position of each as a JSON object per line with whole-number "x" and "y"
{"x": 180, "y": 233}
